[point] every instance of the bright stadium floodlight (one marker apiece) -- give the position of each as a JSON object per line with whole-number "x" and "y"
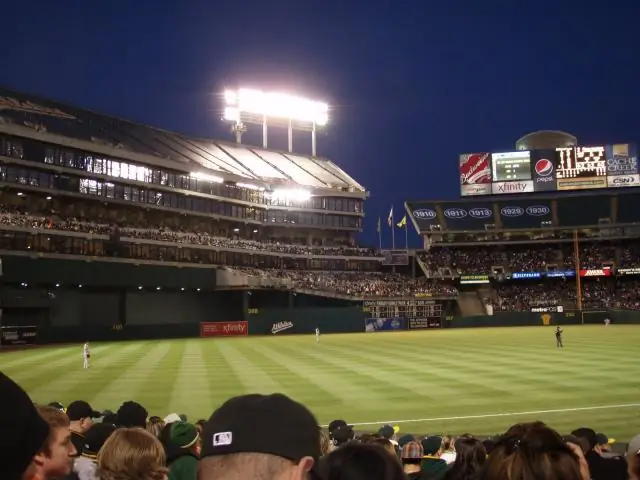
{"x": 270, "y": 108}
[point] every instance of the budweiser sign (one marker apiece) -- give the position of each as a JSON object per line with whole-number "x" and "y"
{"x": 596, "y": 272}
{"x": 475, "y": 168}
{"x": 224, "y": 329}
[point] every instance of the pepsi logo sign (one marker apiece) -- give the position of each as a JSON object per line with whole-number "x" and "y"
{"x": 424, "y": 214}
{"x": 512, "y": 211}
{"x": 538, "y": 210}
{"x": 454, "y": 213}
{"x": 544, "y": 169}
{"x": 480, "y": 212}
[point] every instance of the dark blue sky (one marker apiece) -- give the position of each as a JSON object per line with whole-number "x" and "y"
{"x": 413, "y": 83}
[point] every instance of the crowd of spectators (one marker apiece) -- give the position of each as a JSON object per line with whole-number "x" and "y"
{"x": 524, "y": 297}
{"x": 253, "y": 437}
{"x": 361, "y": 284}
{"x": 166, "y": 234}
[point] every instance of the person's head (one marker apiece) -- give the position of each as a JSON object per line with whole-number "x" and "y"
{"x": 131, "y": 454}
{"x": 470, "y": 457}
{"x": 360, "y": 461}
{"x": 23, "y": 431}
{"x": 340, "y": 433}
{"x": 95, "y": 438}
{"x": 325, "y": 443}
{"x": 55, "y": 459}
{"x": 531, "y": 450}
{"x": 81, "y": 416}
{"x": 411, "y": 456}
{"x": 603, "y": 443}
{"x": 260, "y": 436}
{"x": 132, "y": 414}
{"x": 633, "y": 458}
{"x": 185, "y": 437}
{"x": 155, "y": 426}
{"x": 386, "y": 444}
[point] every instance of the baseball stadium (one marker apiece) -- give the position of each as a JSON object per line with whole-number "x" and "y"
{"x": 196, "y": 270}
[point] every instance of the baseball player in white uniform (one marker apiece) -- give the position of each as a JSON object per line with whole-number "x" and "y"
{"x": 86, "y": 355}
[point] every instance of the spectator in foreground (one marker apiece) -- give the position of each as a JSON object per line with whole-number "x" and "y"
{"x": 23, "y": 432}
{"x": 81, "y": 416}
{"x": 601, "y": 468}
{"x": 132, "y": 454}
{"x": 633, "y": 458}
{"x": 470, "y": 457}
{"x": 252, "y": 437}
{"x": 132, "y": 414}
{"x": 360, "y": 461}
{"x": 56, "y": 456}
{"x": 412, "y": 453}
{"x": 432, "y": 465}
{"x": 532, "y": 451}
{"x": 186, "y": 440}
{"x": 85, "y": 466}
{"x": 155, "y": 426}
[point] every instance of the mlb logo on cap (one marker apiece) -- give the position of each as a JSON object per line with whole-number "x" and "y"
{"x": 221, "y": 439}
{"x": 544, "y": 167}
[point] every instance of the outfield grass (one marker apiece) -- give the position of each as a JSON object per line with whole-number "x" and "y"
{"x": 462, "y": 380}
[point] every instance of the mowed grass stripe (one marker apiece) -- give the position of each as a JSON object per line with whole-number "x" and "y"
{"x": 24, "y": 358}
{"x": 66, "y": 384}
{"x": 34, "y": 375}
{"x": 129, "y": 379}
{"x": 250, "y": 373}
{"x": 221, "y": 380}
{"x": 332, "y": 383}
{"x": 298, "y": 387}
{"x": 190, "y": 390}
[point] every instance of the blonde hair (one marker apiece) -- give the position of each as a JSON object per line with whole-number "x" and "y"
{"x": 155, "y": 426}
{"x": 131, "y": 454}
{"x": 56, "y": 419}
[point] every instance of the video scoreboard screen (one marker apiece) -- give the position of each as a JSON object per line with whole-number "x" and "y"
{"x": 555, "y": 169}
{"x": 511, "y": 166}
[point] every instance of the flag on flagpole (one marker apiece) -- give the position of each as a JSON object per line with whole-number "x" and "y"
{"x": 403, "y": 222}
{"x": 390, "y": 218}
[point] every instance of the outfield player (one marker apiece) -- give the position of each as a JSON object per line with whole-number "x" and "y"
{"x": 317, "y": 335}
{"x": 559, "y": 338}
{"x": 606, "y": 322}
{"x": 86, "y": 355}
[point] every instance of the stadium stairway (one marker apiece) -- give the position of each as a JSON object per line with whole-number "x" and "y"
{"x": 470, "y": 304}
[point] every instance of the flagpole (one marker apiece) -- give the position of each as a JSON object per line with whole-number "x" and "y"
{"x": 379, "y": 233}
{"x": 406, "y": 236}
{"x": 393, "y": 232}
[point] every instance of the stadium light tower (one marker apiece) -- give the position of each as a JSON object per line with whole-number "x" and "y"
{"x": 244, "y": 106}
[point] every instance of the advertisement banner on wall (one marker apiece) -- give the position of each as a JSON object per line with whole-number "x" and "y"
{"x": 617, "y": 181}
{"x": 543, "y": 170}
{"x": 596, "y": 272}
{"x": 628, "y": 271}
{"x": 385, "y": 324}
{"x": 622, "y": 159}
{"x": 561, "y": 273}
{"x": 11, "y": 336}
{"x": 523, "y": 186}
{"x": 475, "y": 174}
{"x": 581, "y": 168}
{"x": 224, "y": 329}
{"x": 525, "y": 275}
{"x": 424, "y": 323}
{"x": 472, "y": 279}
{"x": 550, "y": 309}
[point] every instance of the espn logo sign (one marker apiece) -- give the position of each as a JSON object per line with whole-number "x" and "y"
{"x": 596, "y": 272}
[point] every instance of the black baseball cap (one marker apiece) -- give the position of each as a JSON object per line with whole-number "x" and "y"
{"x": 588, "y": 434}
{"x": 603, "y": 439}
{"x": 24, "y": 431}
{"x": 132, "y": 414}
{"x": 271, "y": 424}
{"x": 80, "y": 409}
{"x": 95, "y": 438}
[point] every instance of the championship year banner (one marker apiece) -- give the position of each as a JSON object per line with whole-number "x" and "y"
{"x": 18, "y": 335}
{"x": 224, "y": 329}
{"x": 385, "y": 324}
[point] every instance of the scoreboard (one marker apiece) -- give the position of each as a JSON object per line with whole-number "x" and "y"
{"x": 564, "y": 168}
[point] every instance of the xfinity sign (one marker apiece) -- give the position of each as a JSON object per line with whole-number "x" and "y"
{"x": 525, "y": 186}
{"x": 424, "y": 214}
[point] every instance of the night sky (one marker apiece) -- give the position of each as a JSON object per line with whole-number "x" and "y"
{"x": 412, "y": 83}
